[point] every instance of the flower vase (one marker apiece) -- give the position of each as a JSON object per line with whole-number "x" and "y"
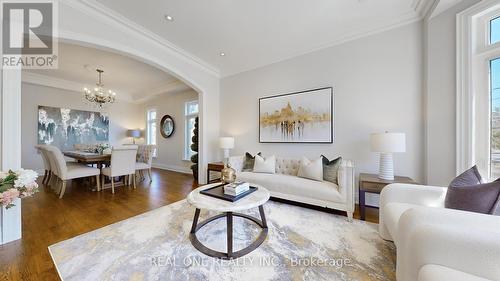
{"x": 10, "y": 223}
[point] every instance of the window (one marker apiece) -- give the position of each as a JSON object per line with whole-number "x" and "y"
{"x": 191, "y": 112}
{"x": 495, "y": 30}
{"x": 151, "y": 129}
{"x": 478, "y": 89}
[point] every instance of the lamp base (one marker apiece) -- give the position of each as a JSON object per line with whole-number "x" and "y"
{"x": 386, "y": 168}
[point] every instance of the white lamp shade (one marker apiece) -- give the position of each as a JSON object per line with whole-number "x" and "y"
{"x": 388, "y": 142}
{"x": 226, "y": 142}
{"x": 134, "y": 133}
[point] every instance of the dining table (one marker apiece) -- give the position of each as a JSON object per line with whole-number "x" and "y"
{"x": 91, "y": 158}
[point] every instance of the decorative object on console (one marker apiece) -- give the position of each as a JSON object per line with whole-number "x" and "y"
{"x": 249, "y": 162}
{"x": 14, "y": 185}
{"x": 167, "y": 126}
{"x": 267, "y": 166}
{"x": 301, "y": 117}
{"x": 63, "y": 128}
{"x": 387, "y": 143}
{"x": 228, "y": 173}
{"x": 134, "y": 134}
{"x": 99, "y": 96}
{"x": 467, "y": 192}
{"x": 236, "y": 188}
{"x": 331, "y": 169}
{"x": 311, "y": 169}
{"x": 194, "y": 147}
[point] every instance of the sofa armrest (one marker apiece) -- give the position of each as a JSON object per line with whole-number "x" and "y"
{"x": 236, "y": 162}
{"x": 421, "y": 195}
{"x": 464, "y": 241}
{"x": 346, "y": 183}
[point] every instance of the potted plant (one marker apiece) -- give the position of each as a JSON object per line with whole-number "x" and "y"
{"x": 194, "y": 147}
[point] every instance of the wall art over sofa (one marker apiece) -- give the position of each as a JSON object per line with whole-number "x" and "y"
{"x": 301, "y": 117}
{"x": 64, "y": 127}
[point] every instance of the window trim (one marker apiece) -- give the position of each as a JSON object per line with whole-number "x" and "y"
{"x": 187, "y": 116}
{"x": 148, "y": 122}
{"x": 473, "y": 55}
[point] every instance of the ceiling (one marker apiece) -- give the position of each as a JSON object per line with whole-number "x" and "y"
{"x": 131, "y": 79}
{"x": 260, "y": 32}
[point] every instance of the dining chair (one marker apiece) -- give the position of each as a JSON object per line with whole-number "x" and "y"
{"x": 122, "y": 164}
{"x": 145, "y": 159}
{"x": 65, "y": 171}
{"x": 46, "y": 164}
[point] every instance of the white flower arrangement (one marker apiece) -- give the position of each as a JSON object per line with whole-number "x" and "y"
{"x": 13, "y": 185}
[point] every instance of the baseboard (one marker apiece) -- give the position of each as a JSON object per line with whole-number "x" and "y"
{"x": 173, "y": 168}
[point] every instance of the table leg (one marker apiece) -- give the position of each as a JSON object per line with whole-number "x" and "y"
{"x": 262, "y": 216}
{"x": 195, "y": 220}
{"x": 208, "y": 176}
{"x": 229, "y": 234}
{"x": 362, "y": 204}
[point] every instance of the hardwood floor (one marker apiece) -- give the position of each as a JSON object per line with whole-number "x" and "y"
{"x": 48, "y": 219}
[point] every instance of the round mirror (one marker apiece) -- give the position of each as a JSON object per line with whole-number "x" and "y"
{"x": 167, "y": 126}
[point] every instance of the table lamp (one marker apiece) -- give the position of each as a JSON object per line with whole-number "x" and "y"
{"x": 387, "y": 144}
{"x": 226, "y": 143}
{"x": 134, "y": 134}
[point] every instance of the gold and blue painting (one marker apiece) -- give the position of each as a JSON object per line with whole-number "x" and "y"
{"x": 63, "y": 127}
{"x": 301, "y": 117}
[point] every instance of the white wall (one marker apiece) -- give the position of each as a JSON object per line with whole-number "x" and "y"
{"x": 171, "y": 150}
{"x": 377, "y": 84}
{"x": 441, "y": 96}
{"x": 123, "y": 116}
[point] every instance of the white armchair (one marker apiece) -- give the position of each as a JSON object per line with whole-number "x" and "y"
{"x": 434, "y": 243}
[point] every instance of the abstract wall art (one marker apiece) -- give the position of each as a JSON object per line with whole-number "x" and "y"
{"x": 64, "y": 127}
{"x": 301, "y": 117}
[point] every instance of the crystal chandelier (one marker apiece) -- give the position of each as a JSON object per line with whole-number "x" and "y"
{"x": 99, "y": 96}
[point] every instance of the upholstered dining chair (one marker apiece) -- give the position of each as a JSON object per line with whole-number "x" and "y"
{"x": 145, "y": 159}
{"x": 46, "y": 164}
{"x": 65, "y": 171}
{"x": 122, "y": 164}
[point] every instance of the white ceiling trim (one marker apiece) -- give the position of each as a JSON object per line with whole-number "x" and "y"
{"x": 419, "y": 7}
{"x": 73, "y": 87}
{"x": 169, "y": 87}
{"x": 116, "y": 19}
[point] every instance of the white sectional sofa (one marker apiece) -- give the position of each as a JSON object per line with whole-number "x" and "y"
{"x": 438, "y": 244}
{"x": 285, "y": 184}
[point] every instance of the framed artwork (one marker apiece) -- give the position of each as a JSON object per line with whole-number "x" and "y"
{"x": 64, "y": 127}
{"x": 301, "y": 117}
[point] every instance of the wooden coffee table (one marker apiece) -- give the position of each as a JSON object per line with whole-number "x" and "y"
{"x": 228, "y": 210}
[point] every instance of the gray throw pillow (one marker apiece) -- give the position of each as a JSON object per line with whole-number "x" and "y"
{"x": 249, "y": 162}
{"x": 467, "y": 193}
{"x": 331, "y": 169}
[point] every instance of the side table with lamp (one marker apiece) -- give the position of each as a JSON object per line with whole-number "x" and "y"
{"x": 386, "y": 144}
{"x": 134, "y": 134}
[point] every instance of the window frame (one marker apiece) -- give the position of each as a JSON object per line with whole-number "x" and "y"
{"x": 187, "y": 133}
{"x": 148, "y": 129}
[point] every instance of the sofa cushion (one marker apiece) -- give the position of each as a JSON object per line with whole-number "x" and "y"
{"x": 331, "y": 169}
{"x": 392, "y": 213}
{"x": 286, "y": 184}
{"x": 287, "y": 166}
{"x": 249, "y": 161}
{"x": 267, "y": 165}
{"x": 312, "y": 170}
{"x": 468, "y": 178}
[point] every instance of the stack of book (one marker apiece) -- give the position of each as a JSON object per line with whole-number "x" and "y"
{"x": 236, "y": 188}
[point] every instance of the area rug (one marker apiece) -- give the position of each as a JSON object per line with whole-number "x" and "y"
{"x": 302, "y": 244}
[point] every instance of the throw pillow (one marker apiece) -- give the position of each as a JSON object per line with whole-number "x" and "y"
{"x": 467, "y": 193}
{"x": 249, "y": 162}
{"x": 262, "y": 165}
{"x": 331, "y": 169}
{"x": 311, "y": 169}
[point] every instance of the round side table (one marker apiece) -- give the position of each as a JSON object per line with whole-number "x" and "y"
{"x": 228, "y": 210}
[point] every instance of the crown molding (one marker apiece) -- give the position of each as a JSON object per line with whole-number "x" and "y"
{"x": 96, "y": 9}
{"x": 423, "y": 7}
{"x": 169, "y": 87}
{"x": 71, "y": 86}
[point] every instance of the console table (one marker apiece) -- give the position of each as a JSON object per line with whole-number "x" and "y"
{"x": 215, "y": 167}
{"x": 371, "y": 183}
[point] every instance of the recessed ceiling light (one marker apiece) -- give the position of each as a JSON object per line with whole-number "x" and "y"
{"x": 169, "y": 18}
{"x": 222, "y": 54}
